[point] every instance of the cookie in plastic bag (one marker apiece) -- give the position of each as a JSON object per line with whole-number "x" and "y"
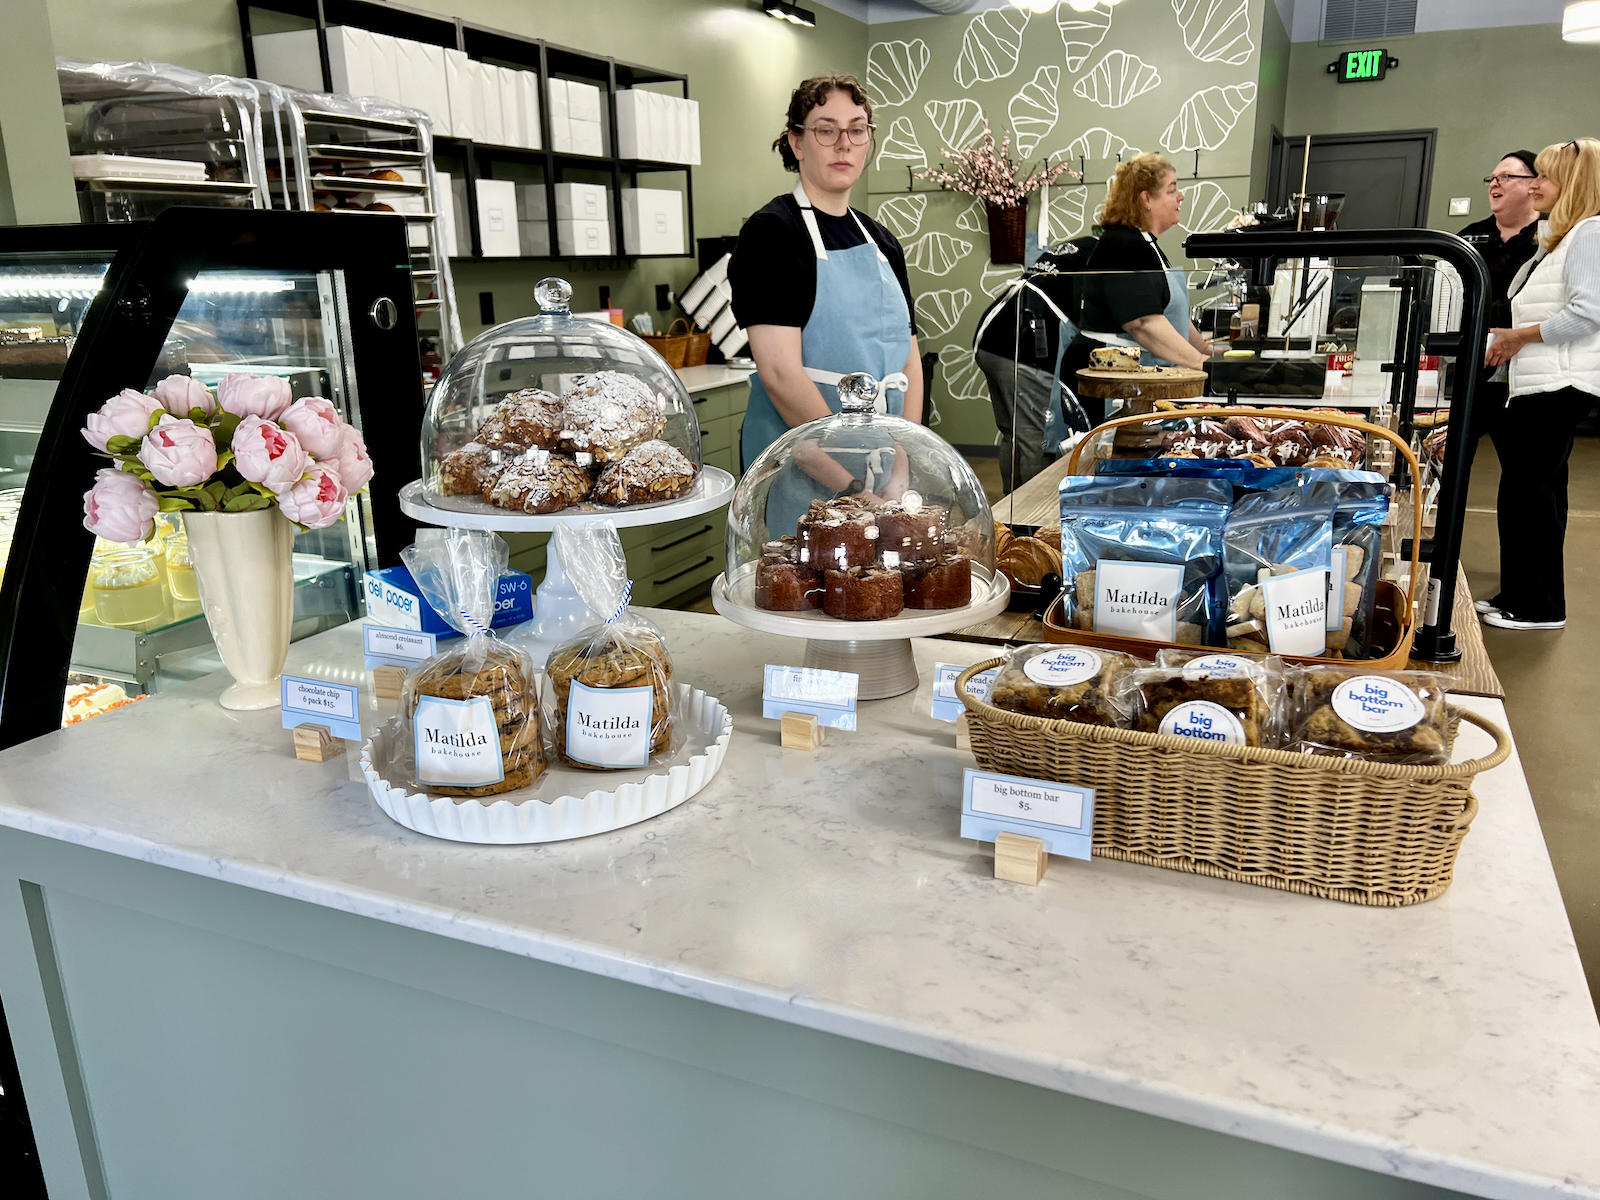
{"x": 1230, "y": 699}
{"x": 610, "y": 688}
{"x": 1388, "y": 716}
{"x": 472, "y": 711}
{"x": 1067, "y": 683}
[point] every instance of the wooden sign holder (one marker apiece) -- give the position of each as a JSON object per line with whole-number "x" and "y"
{"x": 313, "y": 743}
{"x": 800, "y": 731}
{"x": 1019, "y": 859}
{"x": 387, "y": 682}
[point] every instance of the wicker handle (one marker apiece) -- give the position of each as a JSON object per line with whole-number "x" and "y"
{"x": 672, "y": 329}
{"x": 1301, "y": 415}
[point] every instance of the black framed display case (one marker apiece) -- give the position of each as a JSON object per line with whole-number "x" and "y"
{"x": 318, "y": 298}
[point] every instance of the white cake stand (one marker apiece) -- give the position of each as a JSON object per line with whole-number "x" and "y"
{"x": 560, "y": 613}
{"x": 879, "y": 652}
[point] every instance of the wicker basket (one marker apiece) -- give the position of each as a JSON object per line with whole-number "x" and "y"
{"x": 1361, "y": 832}
{"x": 674, "y": 347}
{"x": 699, "y": 347}
{"x": 1394, "y": 625}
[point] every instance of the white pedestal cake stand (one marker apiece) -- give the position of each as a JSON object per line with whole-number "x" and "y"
{"x": 877, "y": 651}
{"x": 560, "y": 613}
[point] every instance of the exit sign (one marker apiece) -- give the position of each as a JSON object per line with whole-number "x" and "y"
{"x": 1359, "y": 66}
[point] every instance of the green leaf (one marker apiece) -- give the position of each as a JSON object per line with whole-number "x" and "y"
{"x": 199, "y": 415}
{"x": 224, "y": 458}
{"x": 208, "y": 502}
{"x": 240, "y": 504}
{"x": 135, "y": 467}
{"x": 175, "y": 504}
{"x": 155, "y": 417}
{"x": 122, "y": 444}
{"x": 216, "y": 489}
{"x": 242, "y": 489}
{"x": 264, "y": 490}
{"x": 227, "y": 425}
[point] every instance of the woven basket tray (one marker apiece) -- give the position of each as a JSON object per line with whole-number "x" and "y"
{"x": 1361, "y": 832}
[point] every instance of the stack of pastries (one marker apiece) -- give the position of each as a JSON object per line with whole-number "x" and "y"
{"x": 599, "y": 442}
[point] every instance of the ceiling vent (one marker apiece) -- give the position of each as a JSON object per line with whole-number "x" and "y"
{"x": 1363, "y": 20}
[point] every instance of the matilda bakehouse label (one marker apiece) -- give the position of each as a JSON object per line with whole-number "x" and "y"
{"x": 1297, "y": 606}
{"x": 1063, "y": 668}
{"x": 458, "y": 742}
{"x": 1203, "y": 721}
{"x": 1209, "y": 666}
{"x": 1137, "y": 599}
{"x": 1377, "y": 705}
{"x": 609, "y": 727}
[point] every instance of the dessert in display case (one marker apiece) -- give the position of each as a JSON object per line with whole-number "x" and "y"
{"x": 858, "y": 532}
{"x": 555, "y": 419}
{"x": 92, "y": 313}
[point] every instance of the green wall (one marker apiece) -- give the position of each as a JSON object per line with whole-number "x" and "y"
{"x": 1091, "y": 84}
{"x": 742, "y": 66}
{"x": 1485, "y": 90}
{"x": 1272, "y": 97}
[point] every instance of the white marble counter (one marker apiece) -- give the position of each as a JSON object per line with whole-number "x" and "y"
{"x": 1451, "y": 1043}
{"x": 703, "y": 379}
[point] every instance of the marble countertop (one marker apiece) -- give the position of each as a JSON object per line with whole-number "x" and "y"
{"x": 1452, "y": 1043}
{"x": 703, "y": 379}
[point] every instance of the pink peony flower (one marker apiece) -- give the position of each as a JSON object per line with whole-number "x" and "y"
{"x": 120, "y": 507}
{"x": 127, "y": 414}
{"x": 254, "y": 396}
{"x": 318, "y": 425}
{"x": 179, "y": 453}
{"x": 355, "y": 468}
{"x": 179, "y": 394}
{"x": 266, "y": 454}
{"x": 317, "y": 501}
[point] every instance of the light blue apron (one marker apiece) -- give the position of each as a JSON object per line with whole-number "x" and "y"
{"x": 1177, "y": 312}
{"x": 859, "y": 322}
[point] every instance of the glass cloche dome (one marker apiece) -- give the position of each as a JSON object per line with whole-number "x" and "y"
{"x": 859, "y": 517}
{"x": 556, "y": 412}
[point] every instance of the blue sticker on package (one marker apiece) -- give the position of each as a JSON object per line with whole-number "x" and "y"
{"x": 395, "y": 600}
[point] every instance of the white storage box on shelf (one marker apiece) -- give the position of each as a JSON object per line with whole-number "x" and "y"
{"x": 423, "y": 84}
{"x": 586, "y": 137}
{"x": 528, "y": 105}
{"x": 465, "y": 118}
{"x": 583, "y": 237}
{"x": 582, "y": 202}
{"x": 583, "y": 101}
{"x": 560, "y": 116}
{"x": 652, "y": 221}
{"x": 656, "y": 127}
{"x": 486, "y": 104}
{"x": 632, "y": 118}
{"x": 497, "y": 218}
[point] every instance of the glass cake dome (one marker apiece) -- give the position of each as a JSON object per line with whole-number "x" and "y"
{"x": 859, "y": 516}
{"x": 555, "y": 412}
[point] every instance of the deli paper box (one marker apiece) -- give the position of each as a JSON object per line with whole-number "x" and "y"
{"x": 395, "y": 600}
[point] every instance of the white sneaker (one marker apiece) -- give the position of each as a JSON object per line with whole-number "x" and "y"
{"x": 1504, "y": 620}
{"x": 1485, "y": 606}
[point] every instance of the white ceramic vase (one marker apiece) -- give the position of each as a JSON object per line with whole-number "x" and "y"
{"x": 244, "y": 571}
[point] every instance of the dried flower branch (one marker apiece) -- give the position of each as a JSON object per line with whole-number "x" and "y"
{"x": 990, "y": 173}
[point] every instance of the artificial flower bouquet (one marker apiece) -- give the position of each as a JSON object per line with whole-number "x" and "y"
{"x": 249, "y": 447}
{"x": 989, "y": 172}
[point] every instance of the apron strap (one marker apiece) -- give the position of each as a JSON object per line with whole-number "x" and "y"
{"x": 810, "y": 219}
{"x": 1007, "y": 293}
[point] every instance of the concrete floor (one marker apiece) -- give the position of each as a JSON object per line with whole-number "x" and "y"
{"x": 1552, "y": 686}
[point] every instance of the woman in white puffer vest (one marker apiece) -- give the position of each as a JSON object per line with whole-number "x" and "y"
{"x": 1554, "y": 356}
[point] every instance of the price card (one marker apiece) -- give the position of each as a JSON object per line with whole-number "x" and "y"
{"x": 947, "y": 706}
{"x": 316, "y": 702}
{"x": 1060, "y": 815}
{"x": 387, "y": 647}
{"x": 829, "y": 695}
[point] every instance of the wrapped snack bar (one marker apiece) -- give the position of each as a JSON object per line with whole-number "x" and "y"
{"x": 1066, "y": 683}
{"x": 1226, "y": 698}
{"x": 472, "y": 711}
{"x": 610, "y": 688}
{"x": 1388, "y": 716}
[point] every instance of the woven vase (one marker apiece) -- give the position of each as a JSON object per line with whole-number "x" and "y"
{"x": 1008, "y": 233}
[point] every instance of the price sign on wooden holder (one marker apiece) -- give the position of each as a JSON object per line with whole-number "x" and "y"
{"x": 1037, "y": 817}
{"x": 322, "y": 716}
{"x": 807, "y": 701}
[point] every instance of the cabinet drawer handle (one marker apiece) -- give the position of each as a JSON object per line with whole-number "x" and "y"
{"x": 702, "y": 399}
{"x": 680, "y": 541}
{"x": 707, "y": 559}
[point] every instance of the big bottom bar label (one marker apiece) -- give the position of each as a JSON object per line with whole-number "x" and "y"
{"x": 1297, "y": 607}
{"x": 1137, "y": 599}
{"x": 458, "y": 742}
{"x": 609, "y": 727}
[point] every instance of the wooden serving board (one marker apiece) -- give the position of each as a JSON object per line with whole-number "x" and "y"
{"x": 1163, "y": 383}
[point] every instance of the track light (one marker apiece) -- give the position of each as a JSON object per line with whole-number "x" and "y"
{"x": 1581, "y": 22}
{"x": 792, "y": 13}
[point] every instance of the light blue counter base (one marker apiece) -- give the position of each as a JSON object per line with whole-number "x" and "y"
{"x": 185, "y": 1039}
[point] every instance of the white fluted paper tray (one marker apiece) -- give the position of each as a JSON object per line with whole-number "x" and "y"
{"x": 507, "y": 821}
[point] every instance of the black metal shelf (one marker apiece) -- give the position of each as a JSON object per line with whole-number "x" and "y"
{"x": 502, "y": 48}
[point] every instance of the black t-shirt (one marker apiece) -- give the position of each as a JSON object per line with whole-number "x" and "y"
{"x": 1504, "y": 259}
{"x": 1056, "y": 275}
{"x": 774, "y": 269}
{"x": 1111, "y": 301}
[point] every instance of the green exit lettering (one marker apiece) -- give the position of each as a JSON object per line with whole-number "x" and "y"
{"x": 1363, "y": 64}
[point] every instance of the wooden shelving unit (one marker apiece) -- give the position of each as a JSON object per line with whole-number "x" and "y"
{"x": 545, "y": 59}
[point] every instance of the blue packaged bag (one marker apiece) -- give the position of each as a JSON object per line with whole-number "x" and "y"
{"x": 1278, "y": 554}
{"x": 1142, "y": 556}
{"x": 1360, "y": 502}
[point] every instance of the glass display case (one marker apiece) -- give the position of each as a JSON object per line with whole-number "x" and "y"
{"x": 318, "y": 300}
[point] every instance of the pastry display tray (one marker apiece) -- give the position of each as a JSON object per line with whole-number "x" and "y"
{"x": 735, "y": 599}
{"x": 565, "y": 803}
{"x": 712, "y": 490}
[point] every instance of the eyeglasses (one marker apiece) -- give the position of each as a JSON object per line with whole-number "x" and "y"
{"x": 828, "y": 135}
{"x": 1502, "y": 180}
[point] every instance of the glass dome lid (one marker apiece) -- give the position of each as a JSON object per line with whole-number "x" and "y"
{"x": 859, "y": 516}
{"x": 556, "y": 412}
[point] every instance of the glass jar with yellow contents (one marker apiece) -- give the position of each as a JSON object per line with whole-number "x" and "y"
{"x": 127, "y": 587}
{"x": 180, "y": 570}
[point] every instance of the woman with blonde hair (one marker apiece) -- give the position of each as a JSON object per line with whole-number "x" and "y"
{"x": 1553, "y": 350}
{"x": 1133, "y": 296}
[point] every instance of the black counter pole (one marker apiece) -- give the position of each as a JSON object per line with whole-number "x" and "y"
{"x": 1435, "y": 641}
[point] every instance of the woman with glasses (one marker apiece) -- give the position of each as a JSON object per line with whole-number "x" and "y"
{"x": 1505, "y": 238}
{"x": 1553, "y": 348}
{"x": 821, "y": 289}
